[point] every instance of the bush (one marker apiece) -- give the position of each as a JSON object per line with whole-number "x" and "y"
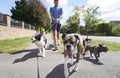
{"x": 105, "y": 28}
{"x": 116, "y": 31}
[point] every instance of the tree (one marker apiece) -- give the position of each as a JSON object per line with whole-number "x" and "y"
{"x": 116, "y": 30}
{"x": 89, "y": 16}
{"x": 72, "y": 24}
{"x": 32, "y": 12}
{"x": 20, "y": 10}
{"x": 105, "y": 28}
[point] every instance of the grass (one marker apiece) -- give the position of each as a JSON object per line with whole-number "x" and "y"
{"x": 13, "y": 45}
{"x": 112, "y": 46}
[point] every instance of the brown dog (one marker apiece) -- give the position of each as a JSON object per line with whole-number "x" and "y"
{"x": 72, "y": 42}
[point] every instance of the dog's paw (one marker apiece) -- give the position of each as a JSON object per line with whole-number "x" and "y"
{"x": 81, "y": 57}
{"x": 43, "y": 56}
{"x": 75, "y": 70}
{"x": 39, "y": 54}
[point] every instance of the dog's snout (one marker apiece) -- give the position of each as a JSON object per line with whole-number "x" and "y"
{"x": 68, "y": 47}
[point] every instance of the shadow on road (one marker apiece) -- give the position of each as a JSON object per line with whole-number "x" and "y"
{"x": 27, "y": 50}
{"x": 32, "y": 53}
{"x": 92, "y": 60}
{"x": 57, "y": 72}
{"x": 49, "y": 47}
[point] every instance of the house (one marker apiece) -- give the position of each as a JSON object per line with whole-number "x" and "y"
{"x": 116, "y": 22}
{"x": 1, "y": 17}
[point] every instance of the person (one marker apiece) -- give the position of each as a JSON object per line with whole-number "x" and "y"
{"x": 56, "y": 15}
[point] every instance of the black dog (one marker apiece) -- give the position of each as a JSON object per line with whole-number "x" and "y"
{"x": 96, "y": 50}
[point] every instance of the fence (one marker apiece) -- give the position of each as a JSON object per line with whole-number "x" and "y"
{"x": 3, "y": 20}
{"x": 6, "y": 20}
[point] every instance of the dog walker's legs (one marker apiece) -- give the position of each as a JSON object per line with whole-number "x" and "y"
{"x": 66, "y": 73}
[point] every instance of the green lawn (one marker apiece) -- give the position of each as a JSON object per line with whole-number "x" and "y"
{"x": 112, "y": 46}
{"x": 13, "y": 45}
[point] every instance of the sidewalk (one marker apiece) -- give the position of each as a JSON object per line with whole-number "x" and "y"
{"x": 25, "y": 63}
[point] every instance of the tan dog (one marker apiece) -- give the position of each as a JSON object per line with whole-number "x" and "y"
{"x": 72, "y": 42}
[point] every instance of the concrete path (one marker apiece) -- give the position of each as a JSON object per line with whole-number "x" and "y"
{"x": 26, "y": 64}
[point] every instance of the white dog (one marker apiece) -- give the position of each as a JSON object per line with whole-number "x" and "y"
{"x": 40, "y": 42}
{"x": 72, "y": 42}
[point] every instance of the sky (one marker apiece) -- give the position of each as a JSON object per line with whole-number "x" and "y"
{"x": 109, "y": 9}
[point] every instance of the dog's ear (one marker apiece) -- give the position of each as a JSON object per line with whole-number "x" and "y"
{"x": 100, "y": 45}
{"x": 77, "y": 38}
{"x": 90, "y": 39}
{"x": 87, "y": 39}
{"x": 64, "y": 36}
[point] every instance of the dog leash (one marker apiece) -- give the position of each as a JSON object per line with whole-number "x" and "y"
{"x": 38, "y": 74}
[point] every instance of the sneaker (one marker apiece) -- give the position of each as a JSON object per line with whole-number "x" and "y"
{"x": 55, "y": 48}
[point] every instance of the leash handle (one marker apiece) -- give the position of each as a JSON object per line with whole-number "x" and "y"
{"x": 56, "y": 24}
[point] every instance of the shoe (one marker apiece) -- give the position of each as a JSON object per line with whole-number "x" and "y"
{"x": 55, "y": 48}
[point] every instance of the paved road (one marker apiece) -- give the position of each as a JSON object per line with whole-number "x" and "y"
{"x": 105, "y": 38}
{"x": 25, "y": 64}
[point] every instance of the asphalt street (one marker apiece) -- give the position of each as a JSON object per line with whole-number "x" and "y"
{"x": 26, "y": 64}
{"x": 105, "y": 38}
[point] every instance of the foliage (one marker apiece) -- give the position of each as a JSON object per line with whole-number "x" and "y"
{"x": 72, "y": 24}
{"x": 116, "y": 30}
{"x": 93, "y": 24}
{"x": 89, "y": 16}
{"x": 20, "y": 11}
{"x": 105, "y": 28}
{"x": 31, "y": 12}
{"x": 82, "y": 29}
{"x": 112, "y": 46}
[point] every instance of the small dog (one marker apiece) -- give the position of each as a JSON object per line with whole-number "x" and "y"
{"x": 72, "y": 42}
{"x": 86, "y": 42}
{"x": 40, "y": 42}
{"x": 96, "y": 50}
